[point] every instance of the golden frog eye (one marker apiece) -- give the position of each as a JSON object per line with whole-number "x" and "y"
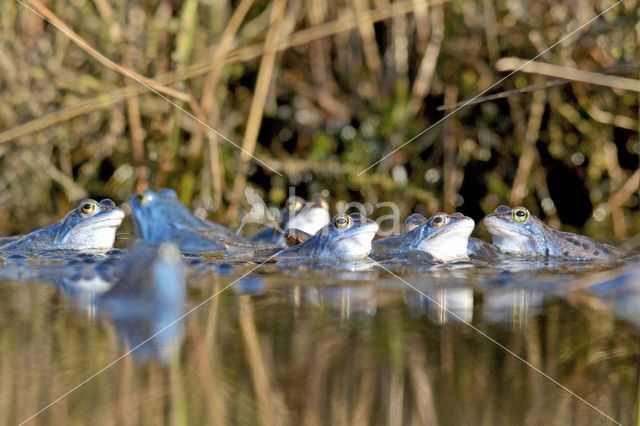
{"x": 520, "y": 214}
{"x": 88, "y": 207}
{"x": 324, "y": 204}
{"x": 438, "y": 220}
{"x": 341, "y": 221}
{"x": 294, "y": 203}
{"x": 143, "y": 198}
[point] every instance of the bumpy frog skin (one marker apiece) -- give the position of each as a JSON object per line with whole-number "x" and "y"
{"x": 159, "y": 217}
{"x": 297, "y": 213}
{"x": 347, "y": 237}
{"x": 445, "y": 237}
{"x": 413, "y": 222}
{"x": 516, "y": 231}
{"x": 90, "y": 227}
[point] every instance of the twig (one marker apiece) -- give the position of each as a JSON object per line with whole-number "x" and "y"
{"x": 533, "y": 87}
{"x": 567, "y": 73}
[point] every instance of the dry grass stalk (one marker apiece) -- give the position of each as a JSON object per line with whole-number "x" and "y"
{"x": 422, "y": 82}
{"x": 371, "y": 54}
{"x": 53, "y": 18}
{"x": 529, "y": 152}
{"x": 567, "y": 73}
{"x": 319, "y": 55}
{"x": 238, "y": 55}
{"x": 450, "y": 173}
{"x": 618, "y": 199}
{"x": 208, "y": 99}
{"x": 257, "y": 104}
{"x": 137, "y": 141}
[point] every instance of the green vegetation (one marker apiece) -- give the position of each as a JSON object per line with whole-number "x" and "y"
{"x": 319, "y": 91}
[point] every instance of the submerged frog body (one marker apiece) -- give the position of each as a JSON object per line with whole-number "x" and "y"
{"x": 90, "y": 227}
{"x": 347, "y": 237}
{"x": 443, "y": 236}
{"x": 297, "y": 213}
{"x": 147, "y": 297}
{"x": 159, "y": 217}
{"x": 516, "y": 231}
{"x": 150, "y": 273}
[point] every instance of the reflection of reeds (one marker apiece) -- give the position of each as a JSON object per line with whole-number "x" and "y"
{"x": 267, "y": 365}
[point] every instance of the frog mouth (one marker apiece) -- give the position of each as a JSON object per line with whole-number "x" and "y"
{"x": 497, "y": 227}
{"x": 113, "y": 220}
{"x": 504, "y": 232}
{"x": 460, "y": 229}
{"x": 365, "y": 229}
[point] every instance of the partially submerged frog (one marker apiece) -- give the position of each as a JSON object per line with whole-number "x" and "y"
{"x": 516, "y": 231}
{"x": 297, "y": 213}
{"x": 347, "y": 237}
{"x": 443, "y": 236}
{"x": 477, "y": 249}
{"x": 159, "y": 217}
{"x": 90, "y": 227}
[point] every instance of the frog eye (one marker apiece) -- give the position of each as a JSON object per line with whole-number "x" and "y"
{"x": 294, "y": 203}
{"x": 438, "y": 220}
{"x": 143, "y": 198}
{"x": 520, "y": 214}
{"x": 323, "y": 203}
{"x": 341, "y": 221}
{"x": 88, "y": 207}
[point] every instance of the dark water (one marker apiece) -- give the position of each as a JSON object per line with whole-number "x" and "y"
{"x": 350, "y": 343}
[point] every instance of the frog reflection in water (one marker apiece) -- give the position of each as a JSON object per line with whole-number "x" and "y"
{"x": 443, "y": 236}
{"x": 90, "y": 227}
{"x": 297, "y": 213}
{"x": 518, "y": 232}
{"x": 347, "y": 237}
{"x": 160, "y": 217}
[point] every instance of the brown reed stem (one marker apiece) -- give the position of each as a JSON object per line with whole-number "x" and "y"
{"x": 257, "y": 104}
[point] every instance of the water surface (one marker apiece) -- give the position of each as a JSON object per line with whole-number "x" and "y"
{"x": 351, "y": 343}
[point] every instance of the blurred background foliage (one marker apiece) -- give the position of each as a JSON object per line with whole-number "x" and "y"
{"x": 319, "y": 91}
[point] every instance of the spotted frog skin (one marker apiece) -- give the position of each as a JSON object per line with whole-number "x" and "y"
{"x": 518, "y": 232}
{"x": 159, "y": 217}
{"x": 347, "y": 237}
{"x": 297, "y": 213}
{"x": 89, "y": 227}
{"x": 444, "y": 236}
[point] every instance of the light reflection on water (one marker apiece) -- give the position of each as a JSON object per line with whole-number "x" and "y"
{"x": 329, "y": 344}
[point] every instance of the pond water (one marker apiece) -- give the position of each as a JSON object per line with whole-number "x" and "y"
{"x": 517, "y": 342}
